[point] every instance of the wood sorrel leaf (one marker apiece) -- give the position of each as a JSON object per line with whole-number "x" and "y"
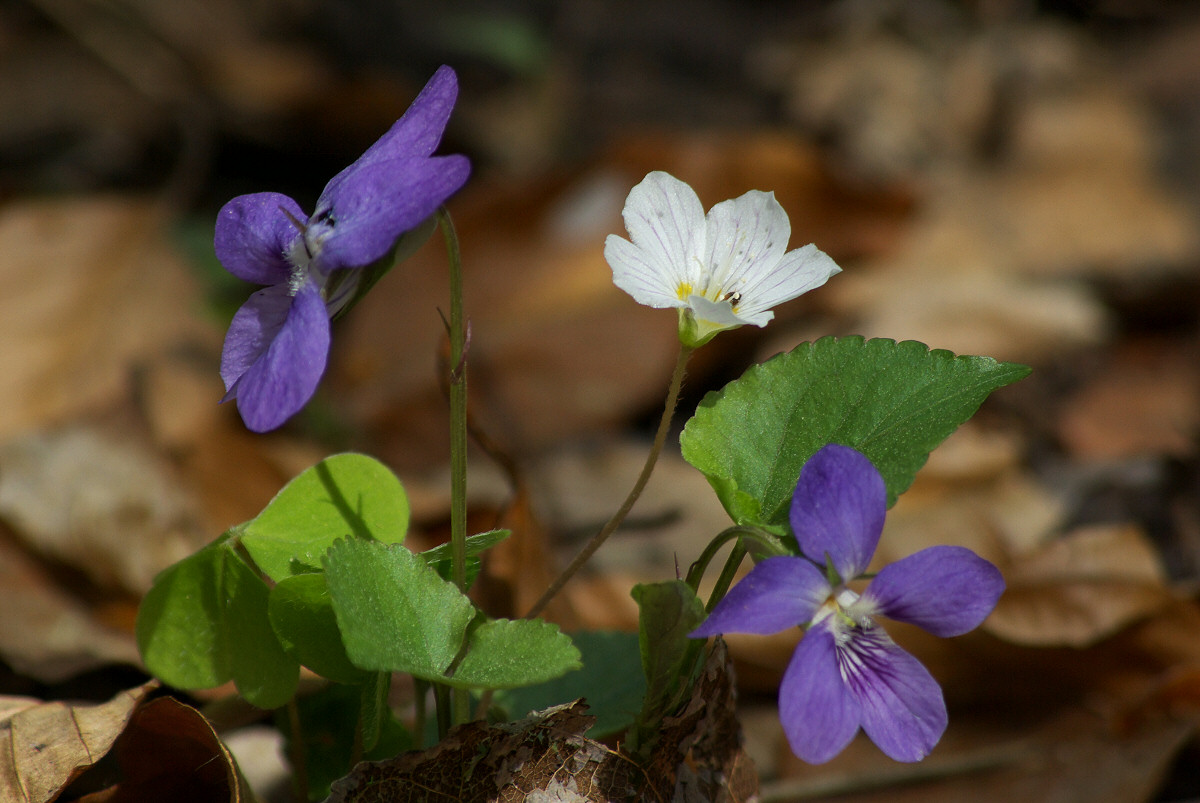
{"x": 894, "y": 402}
{"x": 344, "y": 495}
{"x": 506, "y": 653}
{"x": 204, "y": 622}
{"x": 394, "y": 612}
{"x": 302, "y": 615}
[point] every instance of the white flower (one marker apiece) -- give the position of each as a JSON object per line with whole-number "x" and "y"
{"x": 722, "y": 270}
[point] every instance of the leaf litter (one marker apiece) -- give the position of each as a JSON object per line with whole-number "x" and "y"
{"x": 992, "y": 188}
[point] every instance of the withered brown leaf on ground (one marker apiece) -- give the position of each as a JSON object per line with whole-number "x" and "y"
{"x": 45, "y": 746}
{"x": 698, "y": 757}
{"x": 169, "y": 751}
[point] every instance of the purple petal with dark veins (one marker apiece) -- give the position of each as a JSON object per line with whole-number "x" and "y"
{"x": 779, "y": 593}
{"x": 948, "y": 590}
{"x": 819, "y": 714}
{"x": 253, "y": 234}
{"x": 902, "y": 706}
{"x": 838, "y": 509}
{"x": 284, "y": 376}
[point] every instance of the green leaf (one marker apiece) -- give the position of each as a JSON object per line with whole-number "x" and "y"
{"x": 204, "y": 622}
{"x": 394, "y": 612}
{"x": 505, "y": 653}
{"x": 180, "y": 623}
{"x": 894, "y": 402}
{"x": 610, "y": 680}
{"x": 344, "y": 495}
{"x": 329, "y": 719}
{"x": 263, "y": 671}
{"x": 667, "y": 612}
{"x": 440, "y": 559}
{"x": 302, "y": 615}
{"x": 476, "y": 544}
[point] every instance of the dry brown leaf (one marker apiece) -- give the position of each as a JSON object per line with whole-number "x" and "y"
{"x": 45, "y": 632}
{"x": 1082, "y": 192}
{"x": 1080, "y": 588}
{"x": 169, "y": 751}
{"x": 953, "y": 285}
{"x": 45, "y": 746}
{"x": 100, "y": 501}
{"x": 93, "y": 289}
{"x": 1072, "y": 757}
{"x": 545, "y": 756}
{"x": 1144, "y": 401}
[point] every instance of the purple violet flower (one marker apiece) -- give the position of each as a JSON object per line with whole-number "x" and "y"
{"x": 846, "y": 672}
{"x": 278, "y": 342}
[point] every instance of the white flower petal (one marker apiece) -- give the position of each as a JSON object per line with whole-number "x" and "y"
{"x": 724, "y": 270}
{"x": 717, "y": 314}
{"x": 799, "y": 271}
{"x": 747, "y": 236}
{"x": 664, "y": 218}
{"x": 636, "y": 272}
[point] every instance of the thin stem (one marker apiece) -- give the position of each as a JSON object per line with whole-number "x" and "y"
{"x": 458, "y": 434}
{"x": 728, "y": 571}
{"x": 420, "y": 692}
{"x": 441, "y": 698}
{"x": 299, "y": 766}
{"x": 599, "y": 538}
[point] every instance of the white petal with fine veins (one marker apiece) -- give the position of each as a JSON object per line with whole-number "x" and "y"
{"x": 723, "y": 269}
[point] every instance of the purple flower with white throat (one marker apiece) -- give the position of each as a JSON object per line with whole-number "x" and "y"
{"x": 278, "y": 342}
{"x": 846, "y": 672}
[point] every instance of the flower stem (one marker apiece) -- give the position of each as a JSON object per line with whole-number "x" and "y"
{"x": 728, "y": 571}
{"x": 458, "y": 433}
{"x": 599, "y": 538}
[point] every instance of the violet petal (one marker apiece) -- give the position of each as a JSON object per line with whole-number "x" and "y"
{"x": 251, "y": 332}
{"x": 838, "y": 509}
{"x": 285, "y": 376}
{"x": 778, "y": 593}
{"x": 902, "y": 706}
{"x": 366, "y": 209}
{"x": 948, "y": 590}
{"x": 819, "y": 714}
{"x": 253, "y": 235}
{"x": 419, "y": 130}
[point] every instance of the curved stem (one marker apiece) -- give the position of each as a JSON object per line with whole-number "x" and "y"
{"x": 660, "y": 438}
{"x": 766, "y": 543}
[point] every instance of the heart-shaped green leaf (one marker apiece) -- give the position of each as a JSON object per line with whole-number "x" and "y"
{"x": 205, "y": 622}
{"x": 344, "y": 495}
{"x": 894, "y": 402}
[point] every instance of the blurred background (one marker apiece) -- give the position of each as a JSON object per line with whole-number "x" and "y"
{"x": 1015, "y": 179}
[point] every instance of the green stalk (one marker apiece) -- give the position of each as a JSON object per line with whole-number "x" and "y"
{"x": 458, "y": 434}
{"x": 660, "y": 438}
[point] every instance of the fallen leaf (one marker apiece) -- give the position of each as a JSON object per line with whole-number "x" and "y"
{"x": 99, "y": 501}
{"x": 44, "y": 747}
{"x": 93, "y": 289}
{"x": 47, "y": 633}
{"x": 169, "y": 751}
{"x": 1080, "y": 588}
{"x": 1143, "y": 401}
